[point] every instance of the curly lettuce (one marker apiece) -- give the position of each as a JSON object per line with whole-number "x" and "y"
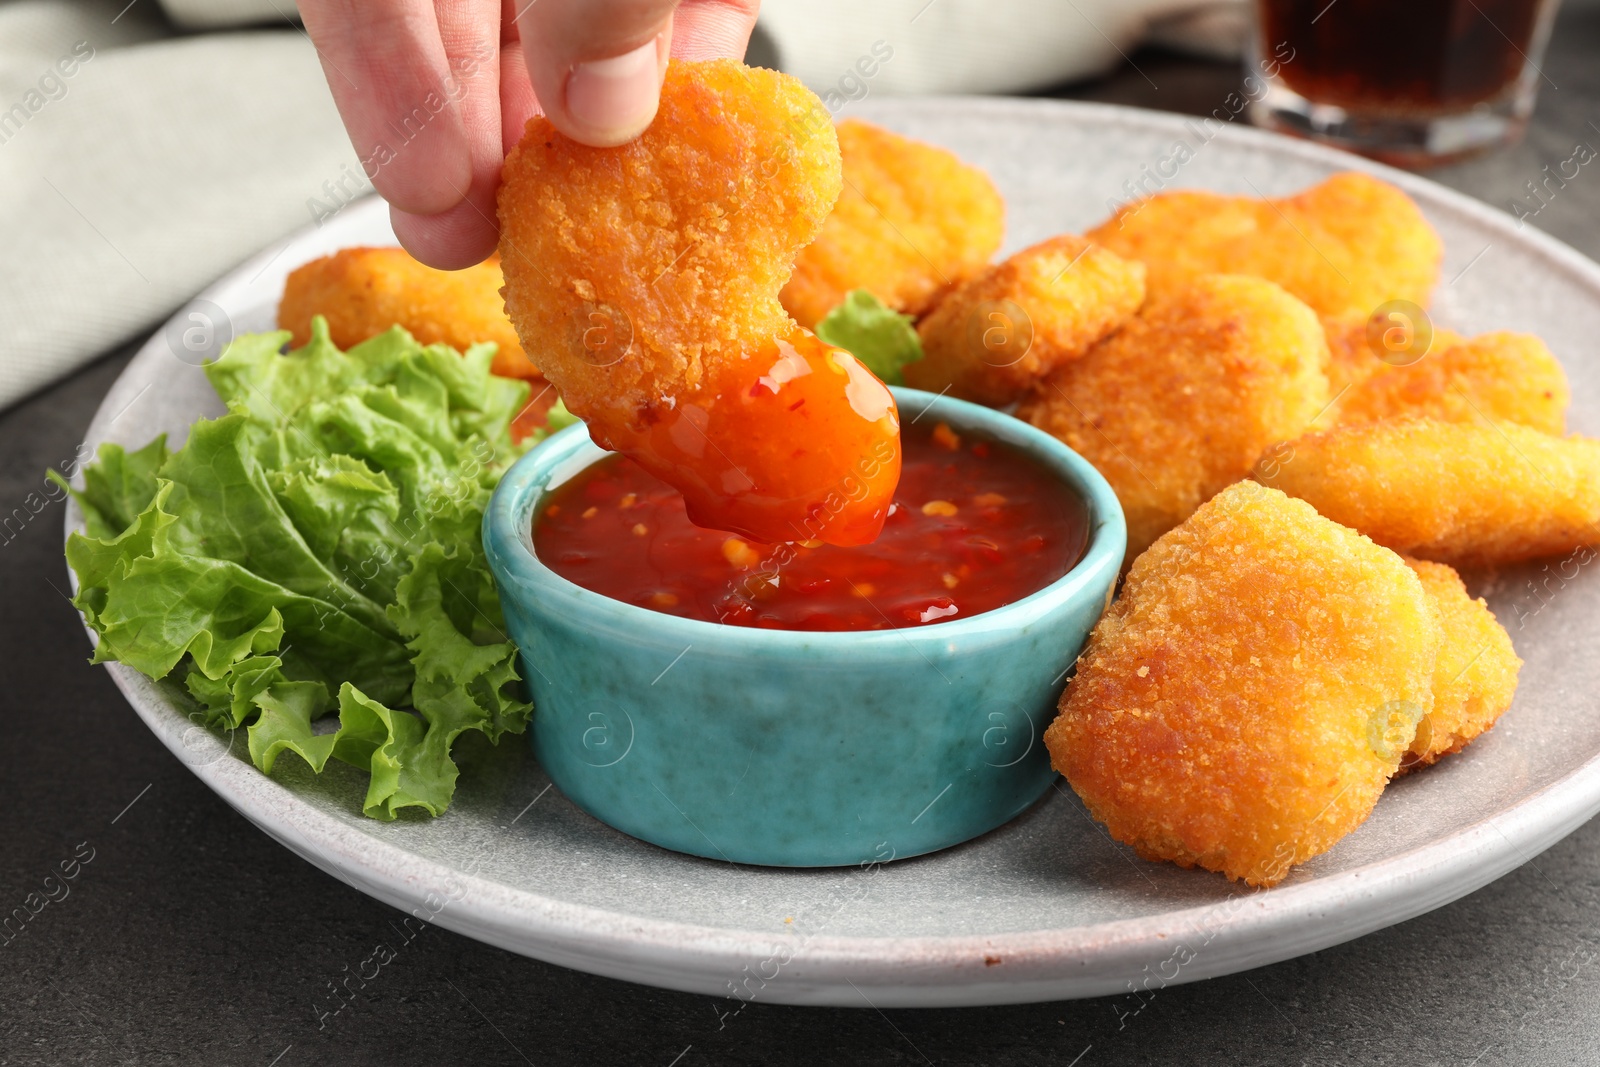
{"x": 879, "y": 336}
{"x": 316, "y": 551}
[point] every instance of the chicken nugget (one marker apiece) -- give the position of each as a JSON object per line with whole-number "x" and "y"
{"x": 364, "y": 291}
{"x": 646, "y": 276}
{"x": 1179, "y": 403}
{"x": 1476, "y": 673}
{"x": 1247, "y": 698}
{"x": 1507, "y": 376}
{"x": 1001, "y": 332}
{"x": 1345, "y": 246}
{"x": 911, "y": 221}
{"x": 1353, "y": 357}
{"x": 1463, "y": 493}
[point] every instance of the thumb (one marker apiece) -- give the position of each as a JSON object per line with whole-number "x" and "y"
{"x": 596, "y": 67}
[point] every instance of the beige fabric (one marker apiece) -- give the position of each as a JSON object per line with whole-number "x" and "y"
{"x": 152, "y": 169}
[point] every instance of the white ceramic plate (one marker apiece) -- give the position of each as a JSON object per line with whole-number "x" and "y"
{"x": 1046, "y": 907}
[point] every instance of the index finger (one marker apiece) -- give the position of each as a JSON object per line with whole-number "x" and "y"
{"x": 388, "y": 71}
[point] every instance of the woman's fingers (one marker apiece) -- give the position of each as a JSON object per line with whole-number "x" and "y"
{"x": 517, "y": 103}
{"x": 713, "y": 29}
{"x": 596, "y": 67}
{"x": 452, "y": 239}
{"x": 465, "y": 232}
{"x": 389, "y": 72}
{"x": 434, "y": 94}
{"x": 470, "y": 33}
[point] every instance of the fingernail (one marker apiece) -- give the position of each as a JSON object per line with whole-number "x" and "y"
{"x": 615, "y": 99}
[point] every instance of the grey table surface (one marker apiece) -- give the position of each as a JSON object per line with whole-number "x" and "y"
{"x": 191, "y": 937}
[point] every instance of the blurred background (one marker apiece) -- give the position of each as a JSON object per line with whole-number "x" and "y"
{"x": 147, "y": 146}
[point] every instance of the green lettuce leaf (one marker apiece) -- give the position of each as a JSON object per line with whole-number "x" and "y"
{"x": 118, "y": 486}
{"x": 317, "y": 550}
{"x": 880, "y": 337}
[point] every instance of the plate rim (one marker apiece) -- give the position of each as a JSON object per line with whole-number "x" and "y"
{"x": 1045, "y": 963}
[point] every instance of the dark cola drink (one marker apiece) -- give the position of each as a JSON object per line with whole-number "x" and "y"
{"x": 1411, "y": 81}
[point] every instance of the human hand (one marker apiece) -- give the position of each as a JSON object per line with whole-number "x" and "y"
{"x": 434, "y": 94}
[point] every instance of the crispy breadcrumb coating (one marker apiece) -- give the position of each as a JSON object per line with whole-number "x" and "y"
{"x": 912, "y": 220}
{"x": 1345, "y": 246}
{"x": 1247, "y": 698}
{"x": 1508, "y": 376}
{"x": 1352, "y": 359}
{"x": 1455, "y": 492}
{"x": 1476, "y": 674}
{"x": 998, "y": 334}
{"x": 1179, "y": 403}
{"x": 630, "y": 269}
{"x": 364, "y": 291}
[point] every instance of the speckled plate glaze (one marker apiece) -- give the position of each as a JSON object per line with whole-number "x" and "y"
{"x": 1046, "y": 907}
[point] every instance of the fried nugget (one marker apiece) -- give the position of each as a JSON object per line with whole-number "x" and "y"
{"x": 666, "y": 253}
{"x": 1353, "y": 358}
{"x": 646, "y": 276}
{"x": 1507, "y": 376}
{"x": 1476, "y": 673}
{"x": 1345, "y": 247}
{"x": 1247, "y": 698}
{"x": 364, "y": 291}
{"x": 1001, "y": 332}
{"x": 1179, "y": 403}
{"x": 911, "y": 221}
{"x": 1454, "y": 492}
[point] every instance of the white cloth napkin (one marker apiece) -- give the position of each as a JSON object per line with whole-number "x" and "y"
{"x": 137, "y": 166}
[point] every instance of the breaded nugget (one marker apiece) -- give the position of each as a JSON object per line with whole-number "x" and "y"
{"x": 1506, "y": 376}
{"x": 1344, "y": 247}
{"x": 364, "y": 291}
{"x": 1245, "y": 701}
{"x": 1001, "y": 332}
{"x": 1454, "y": 492}
{"x": 1352, "y": 359}
{"x": 911, "y": 221}
{"x": 646, "y": 276}
{"x": 1179, "y": 403}
{"x": 673, "y": 246}
{"x": 1476, "y": 673}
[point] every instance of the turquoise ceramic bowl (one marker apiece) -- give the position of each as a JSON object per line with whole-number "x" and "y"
{"x": 787, "y": 748}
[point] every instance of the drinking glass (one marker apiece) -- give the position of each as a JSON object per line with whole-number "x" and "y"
{"x": 1410, "y": 82}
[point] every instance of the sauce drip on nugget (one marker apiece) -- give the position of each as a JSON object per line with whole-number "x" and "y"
{"x": 646, "y": 278}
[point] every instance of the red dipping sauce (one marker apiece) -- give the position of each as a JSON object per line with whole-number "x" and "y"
{"x": 975, "y": 525}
